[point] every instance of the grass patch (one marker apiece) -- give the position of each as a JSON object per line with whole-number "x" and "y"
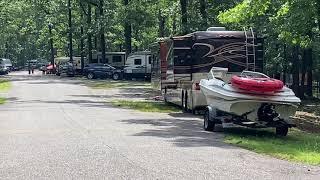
{"x": 146, "y": 106}
{"x": 298, "y": 146}
{"x": 117, "y": 84}
{"x": 4, "y": 85}
{"x": 2, "y": 100}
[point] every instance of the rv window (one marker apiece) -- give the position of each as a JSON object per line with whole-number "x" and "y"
{"x": 137, "y": 61}
{"x": 116, "y": 59}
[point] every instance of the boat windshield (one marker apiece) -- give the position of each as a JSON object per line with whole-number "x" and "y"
{"x": 252, "y": 74}
{"x": 218, "y": 73}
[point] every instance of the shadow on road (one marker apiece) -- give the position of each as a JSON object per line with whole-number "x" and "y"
{"x": 182, "y": 132}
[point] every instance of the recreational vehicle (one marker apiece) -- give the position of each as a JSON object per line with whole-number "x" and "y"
{"x": 138, "y": 65}
{"x": 115, "y": 59}
{"x": 63, "y": 61}
{"x": 179, "y": 63}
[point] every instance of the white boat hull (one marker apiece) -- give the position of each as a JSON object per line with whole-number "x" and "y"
{"x": 228, "y": 99}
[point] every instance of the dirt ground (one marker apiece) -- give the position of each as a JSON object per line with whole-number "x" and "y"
{"x": 308, "y": 116}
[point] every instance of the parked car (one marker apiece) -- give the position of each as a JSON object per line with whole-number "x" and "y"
{"x": 3, "y": 70}
{"x": 6, "y": 64}
{"x": 98, "y": 70}
{"x": 65, "y": 68}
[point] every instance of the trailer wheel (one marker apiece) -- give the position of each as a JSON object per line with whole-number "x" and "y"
{"x": 282, "y": 131}
{"x": 208, "y": 124}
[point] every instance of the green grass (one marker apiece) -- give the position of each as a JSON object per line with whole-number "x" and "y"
{"x": 2, "y": 100}
{"x": 117, "y": 84}
{"x": 298, "y": 146}
{"x": 146, "y": 106}
{"x": 4, "y": 85}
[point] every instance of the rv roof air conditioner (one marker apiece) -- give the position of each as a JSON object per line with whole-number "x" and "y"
{"x": 216, "y": 29}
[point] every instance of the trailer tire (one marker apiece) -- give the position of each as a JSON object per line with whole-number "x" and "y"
{"x": 282, "y": 131}
{"x": 208, "y": 124}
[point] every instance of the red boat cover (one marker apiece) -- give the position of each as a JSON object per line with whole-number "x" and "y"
{"x": 256, "y": 84}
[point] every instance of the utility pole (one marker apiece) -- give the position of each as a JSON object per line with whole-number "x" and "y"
{"x": 70, "y": 32}
{"x": 51, "y": 46}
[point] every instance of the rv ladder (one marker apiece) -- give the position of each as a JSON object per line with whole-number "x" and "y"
{"x": 250, "y": 49}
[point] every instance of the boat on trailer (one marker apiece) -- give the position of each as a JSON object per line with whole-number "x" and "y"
{"x": 229, "y": 103}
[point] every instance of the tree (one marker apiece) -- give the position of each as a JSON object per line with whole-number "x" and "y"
{"x": 282, "y": 22}
{"x": 184, "y": 16}
{"x": 127, "y": 30}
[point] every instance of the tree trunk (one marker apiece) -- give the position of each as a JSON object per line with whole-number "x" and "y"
{"x": 82, "y": 53}
{"x": 309, "y": 64}
{"x": 295, "y": 70}
{"x": 284, "y": 75}
{"x": 161, "y": 24}
{"x": 203, "y": 11}
{"x": 127, "y": 32}
{"x": 303, "y": 75}
{"x": 89, "y": 34}
{"x": 184, "y": 16}
{"x": 70, "y": 32}
{"x": 174, "y": 24}
{"x": 97, "y": 34}
{"x": 102, "y": 36}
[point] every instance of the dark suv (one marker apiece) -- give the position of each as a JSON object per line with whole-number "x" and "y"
{"x": 98, "y": 70}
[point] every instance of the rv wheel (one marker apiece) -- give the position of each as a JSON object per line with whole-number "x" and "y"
{"x": 282, "y": 131}
{"x": 208, "y": 125}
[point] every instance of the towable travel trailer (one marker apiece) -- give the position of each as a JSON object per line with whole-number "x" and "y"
{"x": 138, "y": 65}
{"x": 179, "y": 63}
{"x": 115, "y": 59}
{"x": 76, "y": 62}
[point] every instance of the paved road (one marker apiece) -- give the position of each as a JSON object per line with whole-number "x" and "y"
{"x": 60, "y": 129}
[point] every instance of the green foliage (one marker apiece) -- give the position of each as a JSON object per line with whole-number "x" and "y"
{"x": 281, "y": 22}
{"x": 24, "y": 25}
